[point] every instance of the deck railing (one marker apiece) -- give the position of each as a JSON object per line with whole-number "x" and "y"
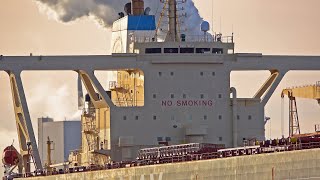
{"x": 188, "y": 38}
{"x": 181, "y": 157}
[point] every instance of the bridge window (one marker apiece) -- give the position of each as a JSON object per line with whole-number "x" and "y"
{"x": 171, "y": 50}
{"x": 153, "y": 51}
{"x": 202, "y": 50}
{"x": 217, "y": 50}
{"x": 159, "y": 139}
{"x": 168, "y": 139}
{"x": 186, "y": 50}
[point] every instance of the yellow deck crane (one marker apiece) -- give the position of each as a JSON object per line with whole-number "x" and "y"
{"x": 307, "y": 92}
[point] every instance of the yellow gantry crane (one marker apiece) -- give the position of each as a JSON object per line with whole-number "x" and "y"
{"x": 307, "y": 92}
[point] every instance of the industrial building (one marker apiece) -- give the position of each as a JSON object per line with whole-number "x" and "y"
{"x": 64, "y": 135}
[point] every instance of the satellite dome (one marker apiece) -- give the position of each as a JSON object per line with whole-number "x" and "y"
{"x": 205, "y": 26}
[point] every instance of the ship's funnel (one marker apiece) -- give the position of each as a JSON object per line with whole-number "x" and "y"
{"x": 137, "y": 7}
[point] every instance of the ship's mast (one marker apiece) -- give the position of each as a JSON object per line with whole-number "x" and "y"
{"x": 172, "y": 34}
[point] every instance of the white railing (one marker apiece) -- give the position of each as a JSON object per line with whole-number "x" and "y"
{"x": 188, "y": 38}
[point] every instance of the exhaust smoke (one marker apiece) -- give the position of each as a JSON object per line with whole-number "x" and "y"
{"x": 105, "y": 12}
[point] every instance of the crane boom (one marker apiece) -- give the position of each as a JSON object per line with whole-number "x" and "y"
{"x": 307, "y": 92}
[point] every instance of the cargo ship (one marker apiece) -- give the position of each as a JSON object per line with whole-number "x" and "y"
{"x": 170, "y": 113}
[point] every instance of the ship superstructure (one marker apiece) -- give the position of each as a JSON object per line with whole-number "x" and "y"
{"x": 167, "y": 90}
{"x": 178, "y": 95}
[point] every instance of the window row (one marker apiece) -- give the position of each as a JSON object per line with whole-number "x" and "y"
{"x": 167, "y": 139}
{"x": 201, "y": 74}
{"x": 154, "y": 117}
{"x": 249, "y": 117}
{"x": 137, "y": 118}
{"x": 186, "y": 50}
{"x": 184, "y": 96}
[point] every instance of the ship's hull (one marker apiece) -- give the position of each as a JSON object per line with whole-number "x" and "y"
{"x": 304, "y": 164}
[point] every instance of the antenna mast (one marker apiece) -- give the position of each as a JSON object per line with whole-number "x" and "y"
{"x": 173, "y": 30}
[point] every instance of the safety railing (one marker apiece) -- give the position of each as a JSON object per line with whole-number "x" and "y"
{"x": 188, "y": 38}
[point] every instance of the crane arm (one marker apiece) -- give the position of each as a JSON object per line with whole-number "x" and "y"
{"x": 307, "y": 92}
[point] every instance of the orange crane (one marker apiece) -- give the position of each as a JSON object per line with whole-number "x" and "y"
{"x": 307, "y": 92}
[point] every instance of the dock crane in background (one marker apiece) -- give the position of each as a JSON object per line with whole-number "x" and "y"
{"x": 307, "y": 92}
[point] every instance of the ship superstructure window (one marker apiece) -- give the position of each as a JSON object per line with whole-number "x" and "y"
{"x": 168, "y": 139}
{"x": 220, "y": 96}
{"x": 249, "y": 117}
{"x": 220, "y": 138}
{"x": 201, "y": 73}
{"x": 184, "y": 96}
{"x": 220, "y": 117}
{"x": 201, "y": 96}
{"x": 213, "y": 73}
{"x": 124, "y": 118}
{"x": 171, "y": 50}
{"x": 154, "y": 117}
{"x": 238, "y": 117}
{"x": 137, "y": 118}
{"x": 159, "y": 139}
{"x": 172, "y": 96}
{"x": 186, "y": 50}
{"x": 171, "y": 73}
{"x": 202, "y": 50}
{"x": 153, "y": 51}
{"x": 154, "y": 96}
{"x": 160, "y": 73}
{"x": 217, "y": 50}
{"x": 205, "y": 117}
